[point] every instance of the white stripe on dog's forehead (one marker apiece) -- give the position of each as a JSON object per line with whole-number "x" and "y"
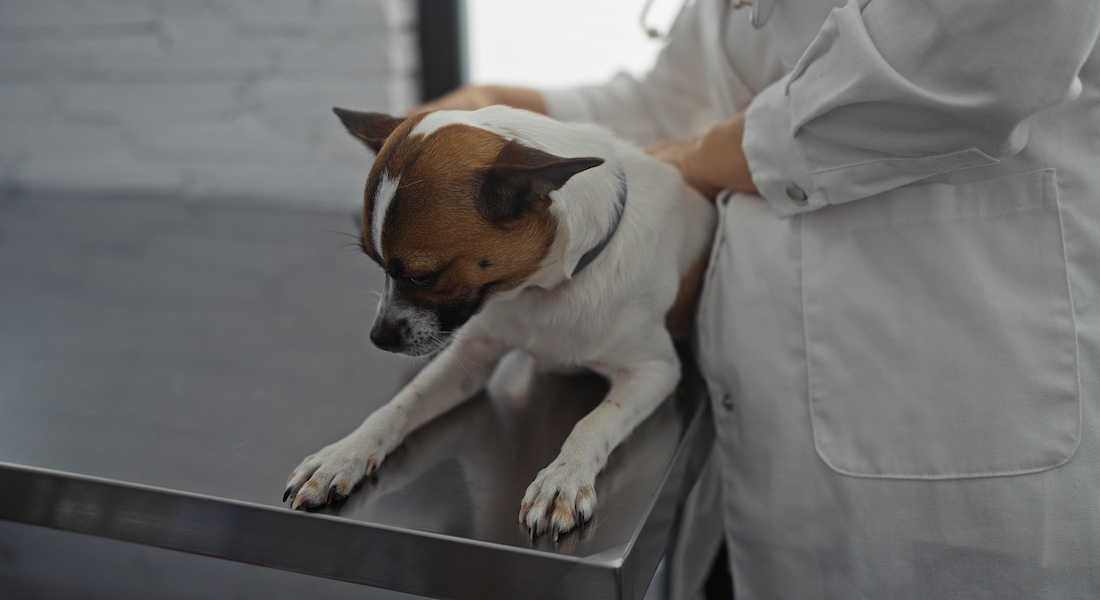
{"x": 387, "y": 189}
{"x": 439, "y": 119}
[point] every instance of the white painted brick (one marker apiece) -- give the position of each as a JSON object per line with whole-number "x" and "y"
{"x": 244, "y": 141}
{"x": 50, "y": 60}
{"x": 99, "y": 172}
{"x": 55, "y": 135}
{"x": 21, "y": 101}
{"x": 301, "y": 186}
{"x": 404, "y": 94}
{"x": 312, "y": 119}
{"x": 122, "y": 100}
{"x": 363, "y": 16}
{"x": 320, "y": 96}
{"x": 189, "y": 49}
{"x": 206, "y": 10}
{"x": 293, "y": 12}
{"x": 71, "y": 14}
{"x": 400, "y": 14}
{"x": 338, "y": 150}
{"x": 227, "y": 98}
{"x": 403, "y": 52}
{"x": 71, "y": 60}
{"x": 348, "y": 52}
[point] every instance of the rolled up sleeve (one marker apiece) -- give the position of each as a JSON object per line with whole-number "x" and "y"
{"x": 894, "y": 91}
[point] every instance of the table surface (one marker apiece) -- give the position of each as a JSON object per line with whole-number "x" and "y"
{"x": 164, "y": 364}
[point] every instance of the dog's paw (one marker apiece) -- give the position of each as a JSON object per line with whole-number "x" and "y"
{"x": 331, "y": 474}
{"x": 561, "y": 498}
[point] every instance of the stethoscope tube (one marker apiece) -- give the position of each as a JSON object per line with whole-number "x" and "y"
{"x": 761, "y": 10}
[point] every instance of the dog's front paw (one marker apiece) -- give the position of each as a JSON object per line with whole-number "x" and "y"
{"x": 332, "y": 473}
{"x": 562, "y": 497}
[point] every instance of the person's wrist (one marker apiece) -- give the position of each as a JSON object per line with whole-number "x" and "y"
{"x": 695, "y": 168}
{"x": 719, "y": 160}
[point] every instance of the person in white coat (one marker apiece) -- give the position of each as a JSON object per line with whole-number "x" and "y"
{"x": 900, "y": 328}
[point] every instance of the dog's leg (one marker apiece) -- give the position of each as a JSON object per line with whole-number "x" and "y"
{"x": 563, "y": 494}
{"x": 452, "y": 377}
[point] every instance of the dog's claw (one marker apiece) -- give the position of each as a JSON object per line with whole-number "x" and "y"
{"x": 558, "y": 501}
{"x": 331, "y": 474}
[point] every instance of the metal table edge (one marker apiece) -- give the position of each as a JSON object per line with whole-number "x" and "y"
{"x": 646, "y": 548}
{"x": 354, "y": 551}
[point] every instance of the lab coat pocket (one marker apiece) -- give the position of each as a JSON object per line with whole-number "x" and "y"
{"x": 940, "y": 334}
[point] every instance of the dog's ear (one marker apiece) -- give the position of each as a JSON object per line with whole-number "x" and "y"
{"x": 522, "y": 178}
{"x": 370, "y": 127}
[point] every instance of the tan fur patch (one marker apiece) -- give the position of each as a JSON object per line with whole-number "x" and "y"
{"x": 433, "y": 226}
{"x": 680, "y": 319}
{"x": 563, "y": 512}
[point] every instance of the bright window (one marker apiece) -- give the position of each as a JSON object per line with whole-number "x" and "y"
{"x": 556, "y": 43}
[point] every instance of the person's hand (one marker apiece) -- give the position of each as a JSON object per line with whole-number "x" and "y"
{"x": 473, "y": 97}
{"x": 680, "y": 154}
{"x": 711, "y": 162}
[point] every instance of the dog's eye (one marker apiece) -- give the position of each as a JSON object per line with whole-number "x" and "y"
{"x": 425, "y": 281}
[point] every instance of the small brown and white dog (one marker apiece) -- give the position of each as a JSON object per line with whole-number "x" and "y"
{"x": 503, "y": 229}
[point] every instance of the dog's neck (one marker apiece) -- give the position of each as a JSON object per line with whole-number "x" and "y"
{"x": 589, "y": 211}
{"x": 591, "y": 255}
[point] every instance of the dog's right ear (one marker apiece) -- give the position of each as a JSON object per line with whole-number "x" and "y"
{"x": 522, "y": 178}
{"x": 370, "y": 127}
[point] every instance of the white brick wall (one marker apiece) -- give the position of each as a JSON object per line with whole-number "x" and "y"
{"x": 197, "y": 98}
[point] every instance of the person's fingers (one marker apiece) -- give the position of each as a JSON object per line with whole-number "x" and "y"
{"x": 465, "y": 98}
{"x": 681, "y": 154}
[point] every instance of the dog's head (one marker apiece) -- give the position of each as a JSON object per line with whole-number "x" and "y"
{"x": 455, "y": 215}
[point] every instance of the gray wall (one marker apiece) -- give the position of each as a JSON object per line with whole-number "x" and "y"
{"x": 224, "y": 99}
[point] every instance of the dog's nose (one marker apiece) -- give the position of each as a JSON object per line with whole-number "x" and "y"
{"x": 388, "y": 335}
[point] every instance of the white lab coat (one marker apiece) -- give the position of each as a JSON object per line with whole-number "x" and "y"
{"x": 902, "y": 338}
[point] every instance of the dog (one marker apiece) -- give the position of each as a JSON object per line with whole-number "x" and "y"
{"x": 502, "y": 229}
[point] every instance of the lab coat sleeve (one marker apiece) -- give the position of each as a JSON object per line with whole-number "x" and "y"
{"x": 670, "y": 101}
{"x": 893, "y": 91}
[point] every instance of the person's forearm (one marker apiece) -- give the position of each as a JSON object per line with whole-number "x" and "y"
{"x": 519, "y": 97}
{"x": 719, "y": 160}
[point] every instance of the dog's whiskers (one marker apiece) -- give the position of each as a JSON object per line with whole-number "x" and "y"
{"x": 350, "y": 249}
{"x": 444, "y": 347}
{"x": 356, "y": 236}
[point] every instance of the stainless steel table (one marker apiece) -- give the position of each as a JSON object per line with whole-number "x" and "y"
{"x": 164, "y": 364}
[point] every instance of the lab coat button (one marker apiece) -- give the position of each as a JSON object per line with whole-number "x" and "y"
{"x": 727, "y": 402}
{"x": 796, "y": 194}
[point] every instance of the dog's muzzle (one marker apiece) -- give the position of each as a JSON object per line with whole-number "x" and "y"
{"x": 407, "y": 330}
{"x": 389, "y": 335}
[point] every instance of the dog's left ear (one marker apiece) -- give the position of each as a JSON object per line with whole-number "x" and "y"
{"x": 522, "y": 178}
{"x": 370, "y": 127}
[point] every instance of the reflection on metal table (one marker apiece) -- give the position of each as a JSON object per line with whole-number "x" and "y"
{"x": 165, "y": 364}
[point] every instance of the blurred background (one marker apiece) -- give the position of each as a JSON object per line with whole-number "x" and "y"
{"x": 229, "y": 99}
{"x": 228, "y": 102}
